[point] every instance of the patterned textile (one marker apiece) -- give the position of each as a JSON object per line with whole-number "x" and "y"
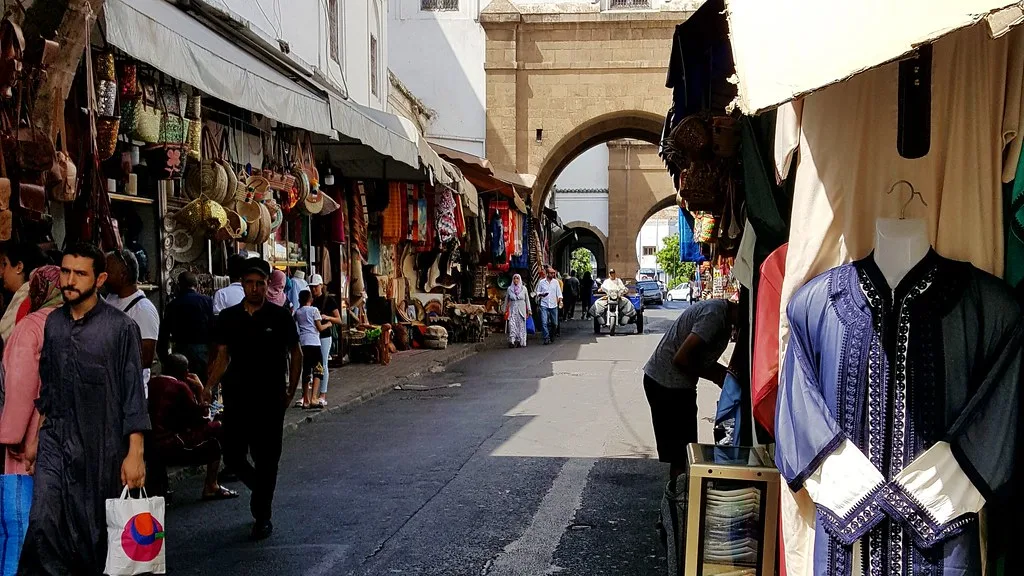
{"x": 446, "y": 227}
{"x": 44, "y": 290}
{"x": 386, "y": 266}
{"x": 373, "y": 248}
{"x": 523, "y": 259}
{"x": 391, "y": 232}
{"x": 892, "y": 411}
{"x": 358, "y": 218}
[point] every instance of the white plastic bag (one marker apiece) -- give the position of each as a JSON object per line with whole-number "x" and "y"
{"x": 135, "y": 534}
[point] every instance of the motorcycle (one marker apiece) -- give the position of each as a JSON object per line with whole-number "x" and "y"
{"x": 615, "y": 307}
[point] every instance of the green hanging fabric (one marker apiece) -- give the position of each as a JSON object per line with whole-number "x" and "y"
{"x": 1015, "y": 228}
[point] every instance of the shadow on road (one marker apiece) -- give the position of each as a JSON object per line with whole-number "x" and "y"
{"x": 508, "y": 461}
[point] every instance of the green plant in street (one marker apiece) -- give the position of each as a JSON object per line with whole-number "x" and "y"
{"x": 668, "y": 260}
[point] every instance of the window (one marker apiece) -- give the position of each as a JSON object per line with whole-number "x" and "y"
{"x": 373, "y": 66}
{"x": 439, "y": 5}
{"x": 628, "y": 4}
{"x": 332, "y": 28}
{"x": 650, "y": 251}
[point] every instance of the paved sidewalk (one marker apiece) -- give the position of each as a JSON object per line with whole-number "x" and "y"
{"x": 354, "y": 384}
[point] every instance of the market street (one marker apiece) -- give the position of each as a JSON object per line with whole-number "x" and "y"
{"x": 510, "y": 462}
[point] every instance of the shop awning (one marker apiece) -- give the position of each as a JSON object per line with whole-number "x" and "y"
{"x": 784, "y": 49}
{"x": 161, "y": 35}
{"x": 387, "y": 134}
{"x": 470, "y": 198}
{"x": 484, "y": 176}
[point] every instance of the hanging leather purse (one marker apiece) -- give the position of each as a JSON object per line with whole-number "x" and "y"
{"x": 62, "y": 179}
{"x": 35, "y": 151}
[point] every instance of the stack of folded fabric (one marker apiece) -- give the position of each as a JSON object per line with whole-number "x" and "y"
{"x": 733, "y": 529}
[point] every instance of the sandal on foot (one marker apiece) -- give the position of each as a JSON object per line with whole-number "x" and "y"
{"x": 222, "y": 493}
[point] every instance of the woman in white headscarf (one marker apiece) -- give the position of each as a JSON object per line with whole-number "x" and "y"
{"x": 517, "y": 309}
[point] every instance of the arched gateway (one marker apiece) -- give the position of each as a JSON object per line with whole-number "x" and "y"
{"x": 564, "y": 78}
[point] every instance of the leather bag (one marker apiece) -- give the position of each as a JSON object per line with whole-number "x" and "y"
{"x": 62, "y": 182}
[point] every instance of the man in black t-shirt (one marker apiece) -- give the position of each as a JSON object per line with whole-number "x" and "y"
{"x": 329, "y": 311}
{"x": 251, "y": 345}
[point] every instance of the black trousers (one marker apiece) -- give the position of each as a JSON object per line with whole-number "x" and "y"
{"x": 255, "y": 433}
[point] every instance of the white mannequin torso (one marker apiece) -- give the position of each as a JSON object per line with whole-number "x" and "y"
{"x": 899, "y": 245}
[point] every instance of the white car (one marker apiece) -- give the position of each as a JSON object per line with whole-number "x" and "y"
{"x": 680, "y": 293}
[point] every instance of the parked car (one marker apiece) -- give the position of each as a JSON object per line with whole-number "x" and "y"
{"x": 651, "y": 292}
{"x": 681, "y": 293}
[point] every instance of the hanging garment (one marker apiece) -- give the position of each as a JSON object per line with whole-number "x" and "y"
{"x": 391, "y": 218}
{"x": 1015, "y": 230}
{"x": 844, "y": 139}
{"x": 897, "y": 413}
{"x": 446, "y": 227}
{"x": 764, "y": 379}
{"x": 522, "y": 261}
{"x": 358, "y": 222}
{"x": 327, "y": 270}
{"x": 689, "y": 250}
{"x": 509, "y": 229}
{"x": 422, "y": 219}
{"x": 499, "y": 251}
{"x": 373, "y": 248}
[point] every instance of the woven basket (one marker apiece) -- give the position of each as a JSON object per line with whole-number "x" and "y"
{"x": 105, "y": 68}
{"x": 106, "y": 135}
{"x": 203, "y": 215}
{"x": 194, "y": 139}
{"x": 229, "y": 191}
{"x": 699, "y": 185}
{"x": 146, "y": 126}
{"x": 692, "y": 137}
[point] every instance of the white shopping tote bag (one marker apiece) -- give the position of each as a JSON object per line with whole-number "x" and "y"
{"x": 135, "y": 533}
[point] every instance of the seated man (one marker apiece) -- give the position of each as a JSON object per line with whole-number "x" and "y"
{"x": 613, "y": 287}
{"x": 182, "y": 433}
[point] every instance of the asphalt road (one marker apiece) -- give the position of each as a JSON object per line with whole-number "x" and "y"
{"x": 512, "y": 462}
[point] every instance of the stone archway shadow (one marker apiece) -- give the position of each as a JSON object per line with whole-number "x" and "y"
{"x": 634, "y": 124}
{"x": 580, "y": 234}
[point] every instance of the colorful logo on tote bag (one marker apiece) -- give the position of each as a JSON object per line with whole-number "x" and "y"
{"x": 143, "y": 538}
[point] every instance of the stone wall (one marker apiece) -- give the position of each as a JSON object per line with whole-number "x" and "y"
{"x": 561, "y": 81}
{"x": 638, "y": 187}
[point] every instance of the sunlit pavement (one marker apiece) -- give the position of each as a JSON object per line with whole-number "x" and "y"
{"x": 512, "y": 462}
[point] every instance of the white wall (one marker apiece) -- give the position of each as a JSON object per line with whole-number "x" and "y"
{"x": 584, "y": 207}
{"x": 304, "y": 26}
{"x": 439, "y": 56}
{"x": 588, "y": 170}
{"x": 653, "y": 233}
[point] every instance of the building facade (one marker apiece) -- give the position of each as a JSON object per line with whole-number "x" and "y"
{"x": 343, "y": 43}
{"x": 437, "y": 48}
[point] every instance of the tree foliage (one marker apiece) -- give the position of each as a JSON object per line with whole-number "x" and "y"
{"x": 668, "y": 260}
{"x": 581, "y": 261}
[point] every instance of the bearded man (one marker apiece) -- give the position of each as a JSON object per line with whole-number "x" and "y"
{"x": 93, "y": 413}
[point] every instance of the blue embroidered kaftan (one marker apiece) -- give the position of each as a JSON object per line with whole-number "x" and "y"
{"x": 897, "y": 411}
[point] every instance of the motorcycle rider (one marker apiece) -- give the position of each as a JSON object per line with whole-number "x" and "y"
{"x": 613, "y": 288}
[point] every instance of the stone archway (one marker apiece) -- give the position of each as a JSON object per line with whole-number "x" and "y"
{"x": 578, "y": 234}
{"x": 560, "y": 82}
{"x": 629, "y": 124}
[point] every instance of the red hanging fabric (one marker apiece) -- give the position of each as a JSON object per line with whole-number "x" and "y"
{"x": 764, "y": 381}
